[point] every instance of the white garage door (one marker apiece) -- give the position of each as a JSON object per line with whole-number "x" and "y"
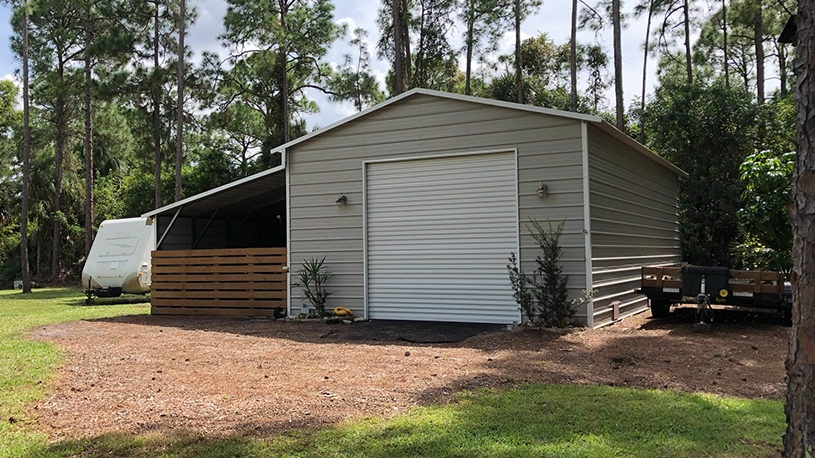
{"x": 438, "y": 234}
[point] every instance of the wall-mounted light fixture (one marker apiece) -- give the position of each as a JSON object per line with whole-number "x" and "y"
{"x": 342, "y": 200}
{"x": 543, "y": 190}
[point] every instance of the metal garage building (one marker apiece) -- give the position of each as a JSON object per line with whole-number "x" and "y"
{"x": 436, "y": 189}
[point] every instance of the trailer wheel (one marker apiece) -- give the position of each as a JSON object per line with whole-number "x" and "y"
{"x": 660, "y": 309}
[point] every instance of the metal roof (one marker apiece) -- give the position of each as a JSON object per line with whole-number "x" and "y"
{"x": 596, "y": 120}
{"x": 232, "y": 199}
{"x": 267, "y": 187}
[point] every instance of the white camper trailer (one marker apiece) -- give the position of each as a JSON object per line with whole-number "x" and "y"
{"x": 119, "y": 260}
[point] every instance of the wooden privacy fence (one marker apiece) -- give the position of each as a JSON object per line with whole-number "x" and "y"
{"x": 246, "y": 281}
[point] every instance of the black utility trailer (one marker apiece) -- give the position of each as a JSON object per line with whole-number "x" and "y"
{"x": 707, "y": 286}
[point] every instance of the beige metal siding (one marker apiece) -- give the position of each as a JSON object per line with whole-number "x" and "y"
{"x": 326, "y": 165}
{"x": 634, "y": 222}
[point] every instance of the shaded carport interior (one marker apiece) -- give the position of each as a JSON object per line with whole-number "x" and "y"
{"x": 247, "y": 213}
{"x": 223, "y": 252}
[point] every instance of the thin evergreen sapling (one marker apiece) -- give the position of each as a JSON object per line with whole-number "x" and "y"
{"x": 551, "y": 293}
{"x": 544, "y": 296}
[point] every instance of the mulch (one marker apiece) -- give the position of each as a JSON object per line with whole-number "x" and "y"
{"x": 223, "y": 376}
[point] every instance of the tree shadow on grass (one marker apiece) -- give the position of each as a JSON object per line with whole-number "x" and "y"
{"x": 39, "y": 294}
{"x": 75, "y": 297}
{"x": 533, "y": 420}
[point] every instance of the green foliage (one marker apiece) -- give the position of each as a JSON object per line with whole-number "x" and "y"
{"x": 290, "y": 39}
{"x": 108, "y": 204}
{"x": 551, "y": 292}
{"x": 544, "y": 296}
{"x": 235, "y": 108}
{"x": 354, "y": 81}
{"x": 767, "y": 243}
{"x": 706, "y": 131}
{"x": 312, "y": 278}
{"x": 522, "y": 288}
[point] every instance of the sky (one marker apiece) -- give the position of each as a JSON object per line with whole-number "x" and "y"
{"x": 552, "y": 18}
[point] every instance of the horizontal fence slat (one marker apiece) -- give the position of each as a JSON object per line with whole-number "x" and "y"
{"x": 219, "y": 294}
{"x": 219, "y": 252}
{"x": 215, "y": 268}
{"x": 242, "y": 281}
{"x": 221, "y": 260}
{"x": 211, "y": 311}
{"x": 176, "y": 277}
{"x": 228, "y": 303}
{"x": 220, "y": 286}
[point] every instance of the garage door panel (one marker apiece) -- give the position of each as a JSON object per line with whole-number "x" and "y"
{"x": 438, "y": 227}
{"x": 429, "y": 188}
{"x": 452, "y": 214}
{"x": 439, "y": 232}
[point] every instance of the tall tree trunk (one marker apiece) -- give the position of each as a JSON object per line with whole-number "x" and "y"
{"x": 573, "y": 56}
{"x": 799, "y": 440}
{"x": 407, "y": 61}
{"x": 519, "y": 82}
{"x": 724, "y": 48}
{"x": 59, "y": 150}
{"x": 398, "y": 66}
{"x": 156, "y": 101}
{"x": 284, "y": 72}
{"x": 179, "y": 141}
{"x": 645, "y": 70}
{"x": 88, "y": 139}
{"x": 758, "y": 29}
{"x": 419, "y": 81}
{"x": 782, "y": 68}
{"x": 468, "y": 40}
{"x": 26, "y": 274}
{"x": 618, "y": 63}
{"x": 38, "y": 240}
{"x": 688, "y": 64}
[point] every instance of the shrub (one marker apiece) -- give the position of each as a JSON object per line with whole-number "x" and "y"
{"x": 312, "y": 278}
{"x": 551, "y": 292}
{"x": 544, "y": 297}
{"x": 524, "y": 296}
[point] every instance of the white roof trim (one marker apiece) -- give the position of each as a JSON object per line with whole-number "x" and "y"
{"x": 446, "y": 95}
{"x": 603, "y": 125}
{"x": 214, "y": 191}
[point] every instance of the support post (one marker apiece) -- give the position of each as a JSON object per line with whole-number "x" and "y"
{"x": 169, "y": 226}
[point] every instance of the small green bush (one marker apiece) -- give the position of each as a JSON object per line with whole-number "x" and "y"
{"x": 544, "y": 296}
{"x": 312, "y": 278}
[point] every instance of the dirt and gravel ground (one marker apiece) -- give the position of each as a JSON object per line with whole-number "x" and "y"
{"x": 218, "y": 376}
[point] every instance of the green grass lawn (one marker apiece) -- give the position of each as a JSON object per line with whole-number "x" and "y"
{"x": 26, "y": 364}
{"x": 534, "y": 421}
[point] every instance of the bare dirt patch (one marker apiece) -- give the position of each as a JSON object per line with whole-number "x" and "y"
{"x": 219, "y": 376}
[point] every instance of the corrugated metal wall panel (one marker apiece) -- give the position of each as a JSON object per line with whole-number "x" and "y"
{"x": 438, "y": 233}
{"x": 322, "y": 167}
{"x": 558, "y": 164}
{"x": 634, "y": 220}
